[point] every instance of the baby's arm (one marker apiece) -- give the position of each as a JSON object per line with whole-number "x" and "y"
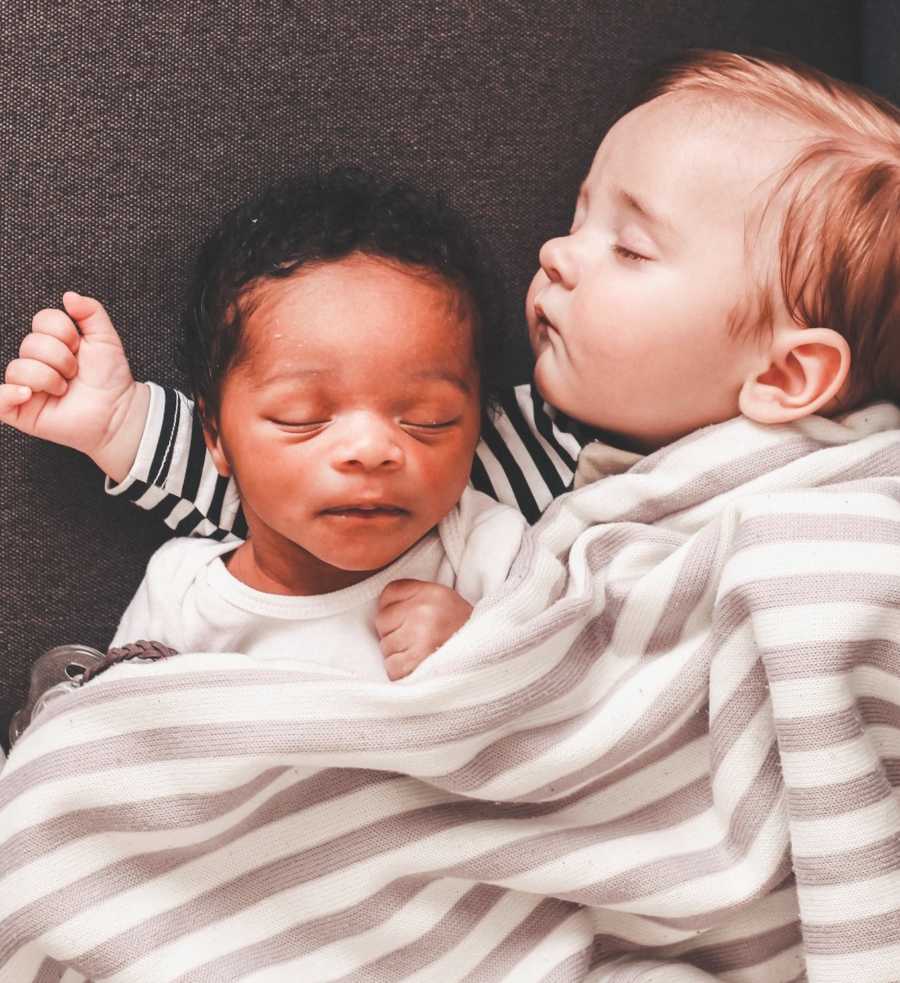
{"x": 414, "y": 619}
{"x": 71, "y": 384}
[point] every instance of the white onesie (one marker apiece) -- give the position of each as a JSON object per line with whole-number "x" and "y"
{"x": 189, "y": 601}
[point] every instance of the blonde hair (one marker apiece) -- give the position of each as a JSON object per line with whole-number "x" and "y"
{"x": 839, "y": 242}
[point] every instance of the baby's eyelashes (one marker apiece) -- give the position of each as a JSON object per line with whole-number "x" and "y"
{"x": 300, "y": 427}
{"x": 437, "y": 425}
{"x": 425, "y": 428}
{"x": 429, "y": 432}
{"x": 629, "y": 254}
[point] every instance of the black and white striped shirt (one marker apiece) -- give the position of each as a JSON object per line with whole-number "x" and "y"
{"x": 526, "y": 457}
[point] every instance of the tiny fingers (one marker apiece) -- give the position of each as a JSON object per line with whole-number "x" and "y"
{"x": 12, "y": 397}
{"x": 57, "y": 324}
{"x": 394, "y": 641}
{"x": 389, "y": 619}
{"x": 51, "y": 351}
{"x": 400, "y": 590}
{"x": 36, "y": 376}
{"x": 90, "y": 315}
{"x": 401, "y": 664}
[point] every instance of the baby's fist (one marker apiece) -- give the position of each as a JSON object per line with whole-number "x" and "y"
{"x": 414, "y": 619}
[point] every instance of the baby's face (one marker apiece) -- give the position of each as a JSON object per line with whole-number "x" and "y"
{"x": 629, "y": 313}
{"x": 351, "y": 423}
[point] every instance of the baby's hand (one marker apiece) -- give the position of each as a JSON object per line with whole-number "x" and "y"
{"x": 414, "y": 618}
{"x": 71, "y": 384}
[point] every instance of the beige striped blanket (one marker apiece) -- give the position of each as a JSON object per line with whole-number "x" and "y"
{"x": 666, "y": 750}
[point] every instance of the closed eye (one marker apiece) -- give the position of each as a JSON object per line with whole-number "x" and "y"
{"x": 307, "y": 426}
{"x": 630, "y": 254}
{"x": 442, "y": 425}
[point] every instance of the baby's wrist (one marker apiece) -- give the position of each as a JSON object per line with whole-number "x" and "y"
{"x": 116, "y": 455}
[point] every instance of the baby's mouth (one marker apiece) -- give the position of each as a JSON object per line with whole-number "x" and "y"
{"x": 366, "y": 511}
{"x": 542, "y": 326}
{"x": 542, "y": 323}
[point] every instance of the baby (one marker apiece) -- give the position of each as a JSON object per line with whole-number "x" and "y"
{"x": 734, "y": 250}
{"x": 336, "y": 342}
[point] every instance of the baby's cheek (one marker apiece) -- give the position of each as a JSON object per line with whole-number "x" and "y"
{"x": 450, "y": 478}
{"x": 443, "y": 481}
{"x": 614, "y": 342}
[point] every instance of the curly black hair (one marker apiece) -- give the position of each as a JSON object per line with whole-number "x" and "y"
{"x": 316, "y": 218}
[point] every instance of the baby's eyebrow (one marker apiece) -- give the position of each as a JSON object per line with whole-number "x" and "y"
{"x": 287, "y": 373}
{"x": 445, "y": 375}
{"x": 299, "y": 374}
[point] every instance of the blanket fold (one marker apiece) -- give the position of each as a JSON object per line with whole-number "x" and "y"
{"x": 666, "y": 750}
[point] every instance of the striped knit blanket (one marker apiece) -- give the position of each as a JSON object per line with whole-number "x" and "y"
{"x": 665, "y": 751}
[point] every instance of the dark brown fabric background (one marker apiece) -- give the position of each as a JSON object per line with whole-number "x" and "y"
{"x": 127, "y": 126}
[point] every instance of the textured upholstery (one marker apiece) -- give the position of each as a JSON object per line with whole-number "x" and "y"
{"x": 127, "y": 126}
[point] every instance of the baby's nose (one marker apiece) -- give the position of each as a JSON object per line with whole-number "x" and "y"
{"x": 557, "y": 259}
{"x": 368, "y": 447}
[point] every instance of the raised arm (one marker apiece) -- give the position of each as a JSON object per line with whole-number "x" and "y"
{"x": 173, "y": 475}
{"x": 71, "y": 384}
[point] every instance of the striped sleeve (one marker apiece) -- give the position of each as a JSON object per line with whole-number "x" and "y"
{"x": 527, "y": 454}
{"x": 526, "y": 457}
{"x": 174, "y": 477}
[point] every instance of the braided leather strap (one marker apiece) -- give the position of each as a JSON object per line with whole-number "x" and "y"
{"x": 68, "y": 667}
{"x": 143, "y": 649}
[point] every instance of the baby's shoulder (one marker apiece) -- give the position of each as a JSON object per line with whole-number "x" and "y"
{"x": 178, "y": 561}
{"x": 479, "y": 514}
{"x": 481, "y": 538}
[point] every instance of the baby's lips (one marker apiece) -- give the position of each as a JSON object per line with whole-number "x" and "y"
{"x": 540, "y": 312}
{"x": 540, "y": 323}
{"x": 369, "y": 506}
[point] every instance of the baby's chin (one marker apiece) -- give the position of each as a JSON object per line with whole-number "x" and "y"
{"x": 368, "y": 558}
{"x": 548, "y": 387}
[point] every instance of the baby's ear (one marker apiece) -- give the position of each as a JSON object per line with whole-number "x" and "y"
{"x": 806, "y": 369}
{"x": 213, "y": 440}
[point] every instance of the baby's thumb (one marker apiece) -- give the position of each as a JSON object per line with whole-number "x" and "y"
{"x": 90, "y": 316}
{"x": 11, "y": 398}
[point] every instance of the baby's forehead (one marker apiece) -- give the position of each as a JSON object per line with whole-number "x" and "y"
{"x": 338, "y": 286}
{"x": 356, "y": 323}
{"x": 358, "y": 379}
{"x": 686, "y": 126}
{"x": 700, "y": 160}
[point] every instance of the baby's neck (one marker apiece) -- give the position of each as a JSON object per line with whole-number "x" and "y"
{"x": 620, "y": 441}
{"x": 272, "y": 574}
